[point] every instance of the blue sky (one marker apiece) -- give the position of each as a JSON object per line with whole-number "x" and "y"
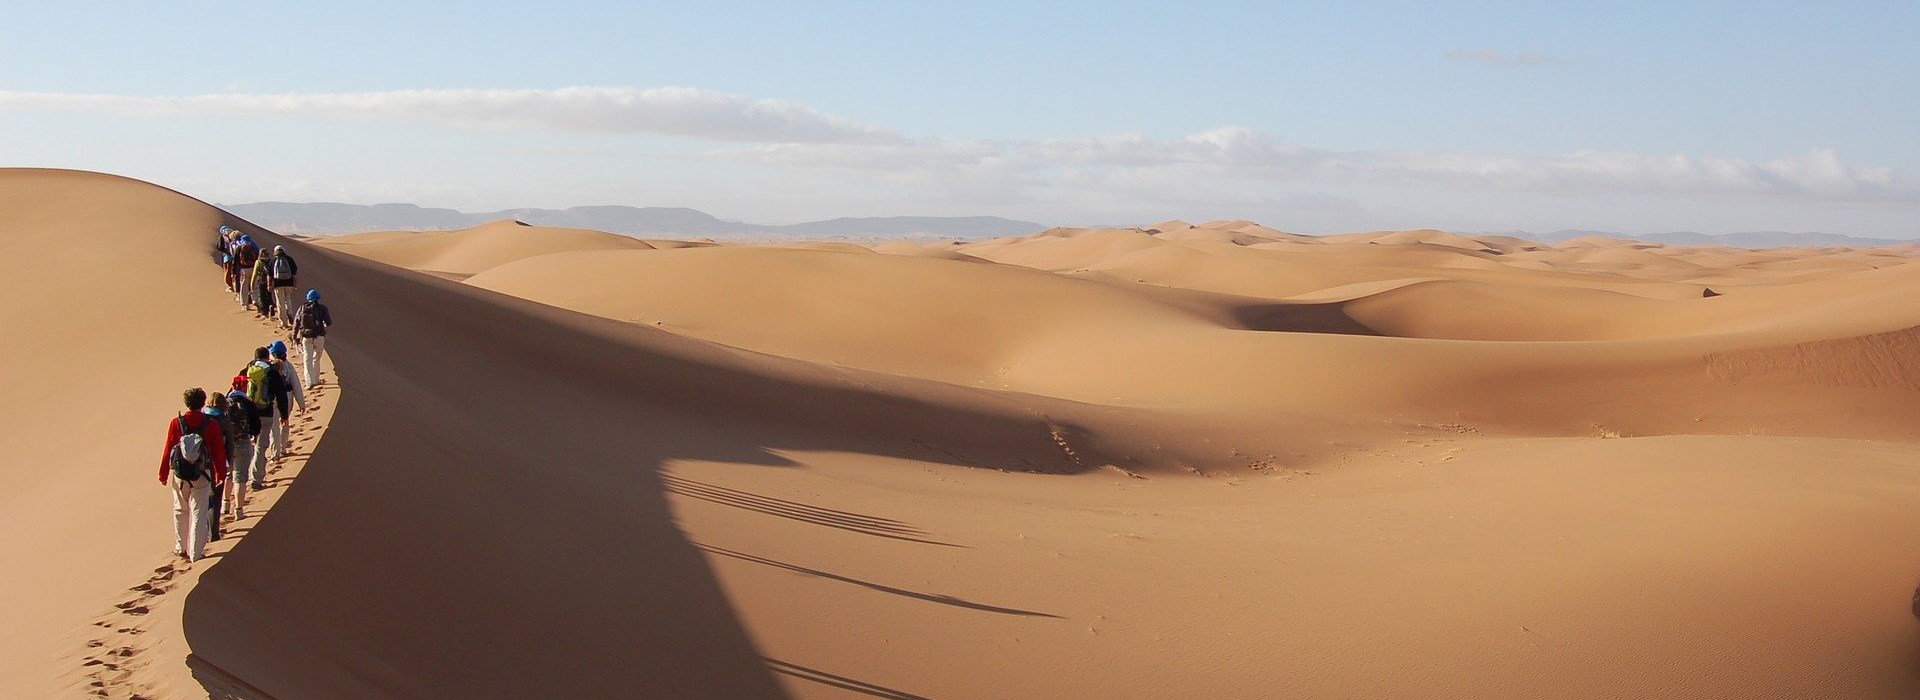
{"x": 1468, "y": 116}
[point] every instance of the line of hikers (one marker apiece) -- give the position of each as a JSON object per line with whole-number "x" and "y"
{"x": 262, "y": 281}
{"x": 266, "y": 284}
{"x": 218, "y": 448}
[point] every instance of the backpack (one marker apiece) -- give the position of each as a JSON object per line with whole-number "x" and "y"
{"x": 260, "y": 381}
{"x": 188, "y": 457}
{"x": 282, "y": 268}
{"x": 309, "y": 321}
{"x": 244, "y": 417}
{"x": 244, "y": 254}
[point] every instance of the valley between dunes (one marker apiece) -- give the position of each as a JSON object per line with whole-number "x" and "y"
{"x": 1214, "y": 460}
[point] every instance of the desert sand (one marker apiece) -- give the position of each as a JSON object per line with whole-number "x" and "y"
{"x": 1213, "y": 460}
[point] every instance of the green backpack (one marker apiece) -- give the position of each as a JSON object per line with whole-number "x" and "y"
{"x": 259, "y": 377}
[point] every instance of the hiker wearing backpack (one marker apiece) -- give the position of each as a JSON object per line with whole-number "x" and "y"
{"x": 216, "y": 409}
{"x": 246, "y": 256}
{"x": 195, "y": 459}
{"x": 224, "y": 244}
{"x": 310, "y": 326}
{"x": 262, "y": 286}
{"x": 272, "y": 386}
{"x": 246, "y": 415}
{"x": 289, "y": 378}
{"x": 220, "y": 250}
{"x": 246, "y": 424}
{"x": 239, "y": 424}
{"x": 263, "y": 387}
{"x": 285, "y": 276}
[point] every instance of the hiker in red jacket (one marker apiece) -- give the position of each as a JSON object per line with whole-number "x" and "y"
{"x": 195, "y": 459}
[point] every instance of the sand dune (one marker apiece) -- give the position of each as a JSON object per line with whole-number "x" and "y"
{"x": 468, "y": 251}
{"x": 1199, "y": 461}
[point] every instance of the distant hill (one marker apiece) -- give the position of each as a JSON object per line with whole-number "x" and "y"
{"x": 1747, "y": 239}
{"x": 328, "y": 217}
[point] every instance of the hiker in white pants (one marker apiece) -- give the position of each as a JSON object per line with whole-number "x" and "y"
{"x": 310, "y": 351}
{"x": 283, "y": 304}
{"x": 192, "y": 520}
{"x": 310, "y": 325}
{"x": 195, "y": 446}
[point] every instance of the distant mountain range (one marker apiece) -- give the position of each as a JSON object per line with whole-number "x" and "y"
{"x": 330, "y": 218}
{"x": 1747, "y": 239}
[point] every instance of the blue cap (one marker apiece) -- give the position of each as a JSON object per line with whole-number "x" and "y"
{"x": 246, "y": 238}
{"x": 313, "y": 295}
{"x": 277, "y": 349}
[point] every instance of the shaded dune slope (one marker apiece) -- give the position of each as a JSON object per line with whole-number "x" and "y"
{"x": 516, "y": 448}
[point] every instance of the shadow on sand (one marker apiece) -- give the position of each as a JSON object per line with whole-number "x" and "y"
{"x": 929, "y": 597}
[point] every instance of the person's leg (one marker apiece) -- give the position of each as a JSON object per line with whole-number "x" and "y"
{"x": 202, "y": 524}
{"x": 261, "y": 444}
{"x": 182, "y": 514}
{"x": 280, "y": 437}
{"x": 216, "y": 506}
{"x": 241, "y": 458}
{"x": 310, "y": 349}
{"x": 283, "y": 303}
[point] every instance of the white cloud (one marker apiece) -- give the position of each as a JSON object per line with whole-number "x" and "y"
{"x": 780, "y": 149}
{"x": 1521, "y": 59}
{"x": 1239, "y": 155}
{"x": 673, "y": 111}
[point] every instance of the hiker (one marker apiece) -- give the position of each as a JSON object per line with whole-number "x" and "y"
{"x": 245, "y": 256}
{"x": 271, "y": 384}
{"x": 195, "y": 459}
{"x": 240, "y": 424}
{"x": 220, "y": 246}
{"x": 225, "y": 247}
{"x": 290, "y": 381}
{"x": 310, "y": 326}
{"x": 266, "y": 391}
{"x": 246, "y": 417}
{"x": 216, "y": 409}
{"x": 262, "y": 286}
{"x": 285, "y": 275}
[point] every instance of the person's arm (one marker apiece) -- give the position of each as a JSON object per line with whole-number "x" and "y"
{"x": 326, "y": 317}
{"x": 173, "y": 436}
{"x": 299, "y": 394}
